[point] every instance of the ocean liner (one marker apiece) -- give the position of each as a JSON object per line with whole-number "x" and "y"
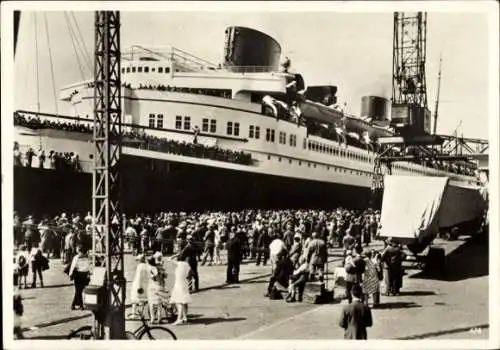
{"x": 247, "y": 133}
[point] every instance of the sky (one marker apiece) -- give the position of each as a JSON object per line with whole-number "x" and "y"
{"x": 350, "y": 50}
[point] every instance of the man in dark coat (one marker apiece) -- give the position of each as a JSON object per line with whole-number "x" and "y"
{"x": 263, "y": 242}
{"x": 392, "y": 258}
{"x": 281, "y": 275}
{"x": 234, "y": 254}
{"x": 190, "y": 254}
{"x": 356, "y": 317}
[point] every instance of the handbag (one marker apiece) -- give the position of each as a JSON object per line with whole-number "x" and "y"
{"x": 45, "y": 263}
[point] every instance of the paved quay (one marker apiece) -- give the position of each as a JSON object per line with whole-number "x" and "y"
{"x": 454, "y": 306}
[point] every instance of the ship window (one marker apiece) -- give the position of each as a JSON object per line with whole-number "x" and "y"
{"x": 187, "y": 123}
{"x": 128, "y": 69}
{"x": 290, "y": 161}
{"x": 309, "y": 145}
{"x": 133, "y": 69}
{"x": 279, "y": 159}
{"x": 167, "y": 70}
{"x": 160, "y": 69}
{"x": 153, "y": 69}
{"x": 304, "y": 144}
{"x": 282, "y": 139}
{"x": 300, "y": 162}
{"x": 229, "y": 129}
{"x": 204, "y": 125}
{"x": 272, "y": 135}
{"x": 293, "y": 140}
{"x": 159, "y": 121}
{"x": 213, "y": 125}
{"x": 268, "y": 157}
{"x": 139, "y": 69}
{"x": 257, "y": 132}
{"x": 123, "y": 70}
{"x": 251, "y": 132}
{"x": 151, "y": 120}
{"x": 146, "y": 69}
{"x": 268, "y": 134}
{"x": 327, "y": 168}
{"x": 178, "y": 122}
{"x": 236, "y": 129}
{"x": 309, "y": 165}
{"x": 314, "y": 166}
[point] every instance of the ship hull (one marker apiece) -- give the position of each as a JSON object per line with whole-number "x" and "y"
{"x": 157, "y": 185}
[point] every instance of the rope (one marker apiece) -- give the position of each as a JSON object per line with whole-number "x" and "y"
{"x": 74, "y": 47}
{"x": 36, "y": 69}
{"x": 51, "y": 64}
{"x": 85, "y": 50}
{"x": 81, "y": 51}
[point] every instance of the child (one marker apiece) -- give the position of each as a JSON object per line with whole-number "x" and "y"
{"x": 22, "y": 267}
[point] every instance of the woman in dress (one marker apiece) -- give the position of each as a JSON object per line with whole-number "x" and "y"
{"x": 371, "y": 282}
{"x": 180, "y": 292}
{"x": 154, "y": 288}
{"x": 140, "y": 283}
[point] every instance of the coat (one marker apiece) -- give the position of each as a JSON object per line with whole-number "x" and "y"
{"x": 355, "y": 318}
{"x": 317, "y": 252}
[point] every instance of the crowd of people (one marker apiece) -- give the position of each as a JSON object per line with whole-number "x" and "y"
{"x": 190, "y": 149}
{"x": 168, "y": 88}
{"x": 65, "y": 161}
{"x": 295, "y": 243}
{"x": 137, "y": 140}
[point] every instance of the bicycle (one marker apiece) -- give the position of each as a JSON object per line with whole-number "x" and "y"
{"x": 153, "y": 333}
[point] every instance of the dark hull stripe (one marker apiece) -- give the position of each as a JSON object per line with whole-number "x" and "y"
{"x": 153, "y": 186}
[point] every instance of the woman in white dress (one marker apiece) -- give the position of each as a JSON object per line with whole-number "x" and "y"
{"x": 140, "y": 283}
{"x": 154, "y": 288}
{"x": 180, "y": 292}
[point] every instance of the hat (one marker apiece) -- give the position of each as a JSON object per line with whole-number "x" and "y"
{"x": 158, "y": 256}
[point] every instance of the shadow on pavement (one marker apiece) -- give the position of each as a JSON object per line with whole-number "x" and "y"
{"x": 443, "y": 332}
{"x": 210, "y": 320}
{"x": 417, "y": 293}
{"x": 470, "y": 260}
{"x": 398, "y": 305}
{"x": 47, "y": 337}
{"x": 56, "y": 285}
{"x": 257, "y": 281}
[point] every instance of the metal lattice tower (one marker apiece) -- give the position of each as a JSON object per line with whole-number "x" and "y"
{"x": 409, "y": 52}
{"x": 106, "y": 177}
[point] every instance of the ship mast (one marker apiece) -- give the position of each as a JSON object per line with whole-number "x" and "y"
{"x": 437, "y": 97}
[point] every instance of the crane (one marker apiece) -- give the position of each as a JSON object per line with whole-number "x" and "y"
{"x": 410, "y": 114}
{"x": 437, "y": 97}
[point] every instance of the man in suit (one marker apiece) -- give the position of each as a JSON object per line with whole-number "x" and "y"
{"x": 356, "y": 317}
{"x": 190, "y": 254}
{"x": 317, "y": 256}
{"x": 234, "y": 255}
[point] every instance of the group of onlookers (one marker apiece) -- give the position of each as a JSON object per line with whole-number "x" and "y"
{"x": 70, "y": 160}
{"x": 190, "y": 149}
{"x": 208, "y": 92}
{"x": 295, "y": 242}
{"x": 65, "y": 161}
